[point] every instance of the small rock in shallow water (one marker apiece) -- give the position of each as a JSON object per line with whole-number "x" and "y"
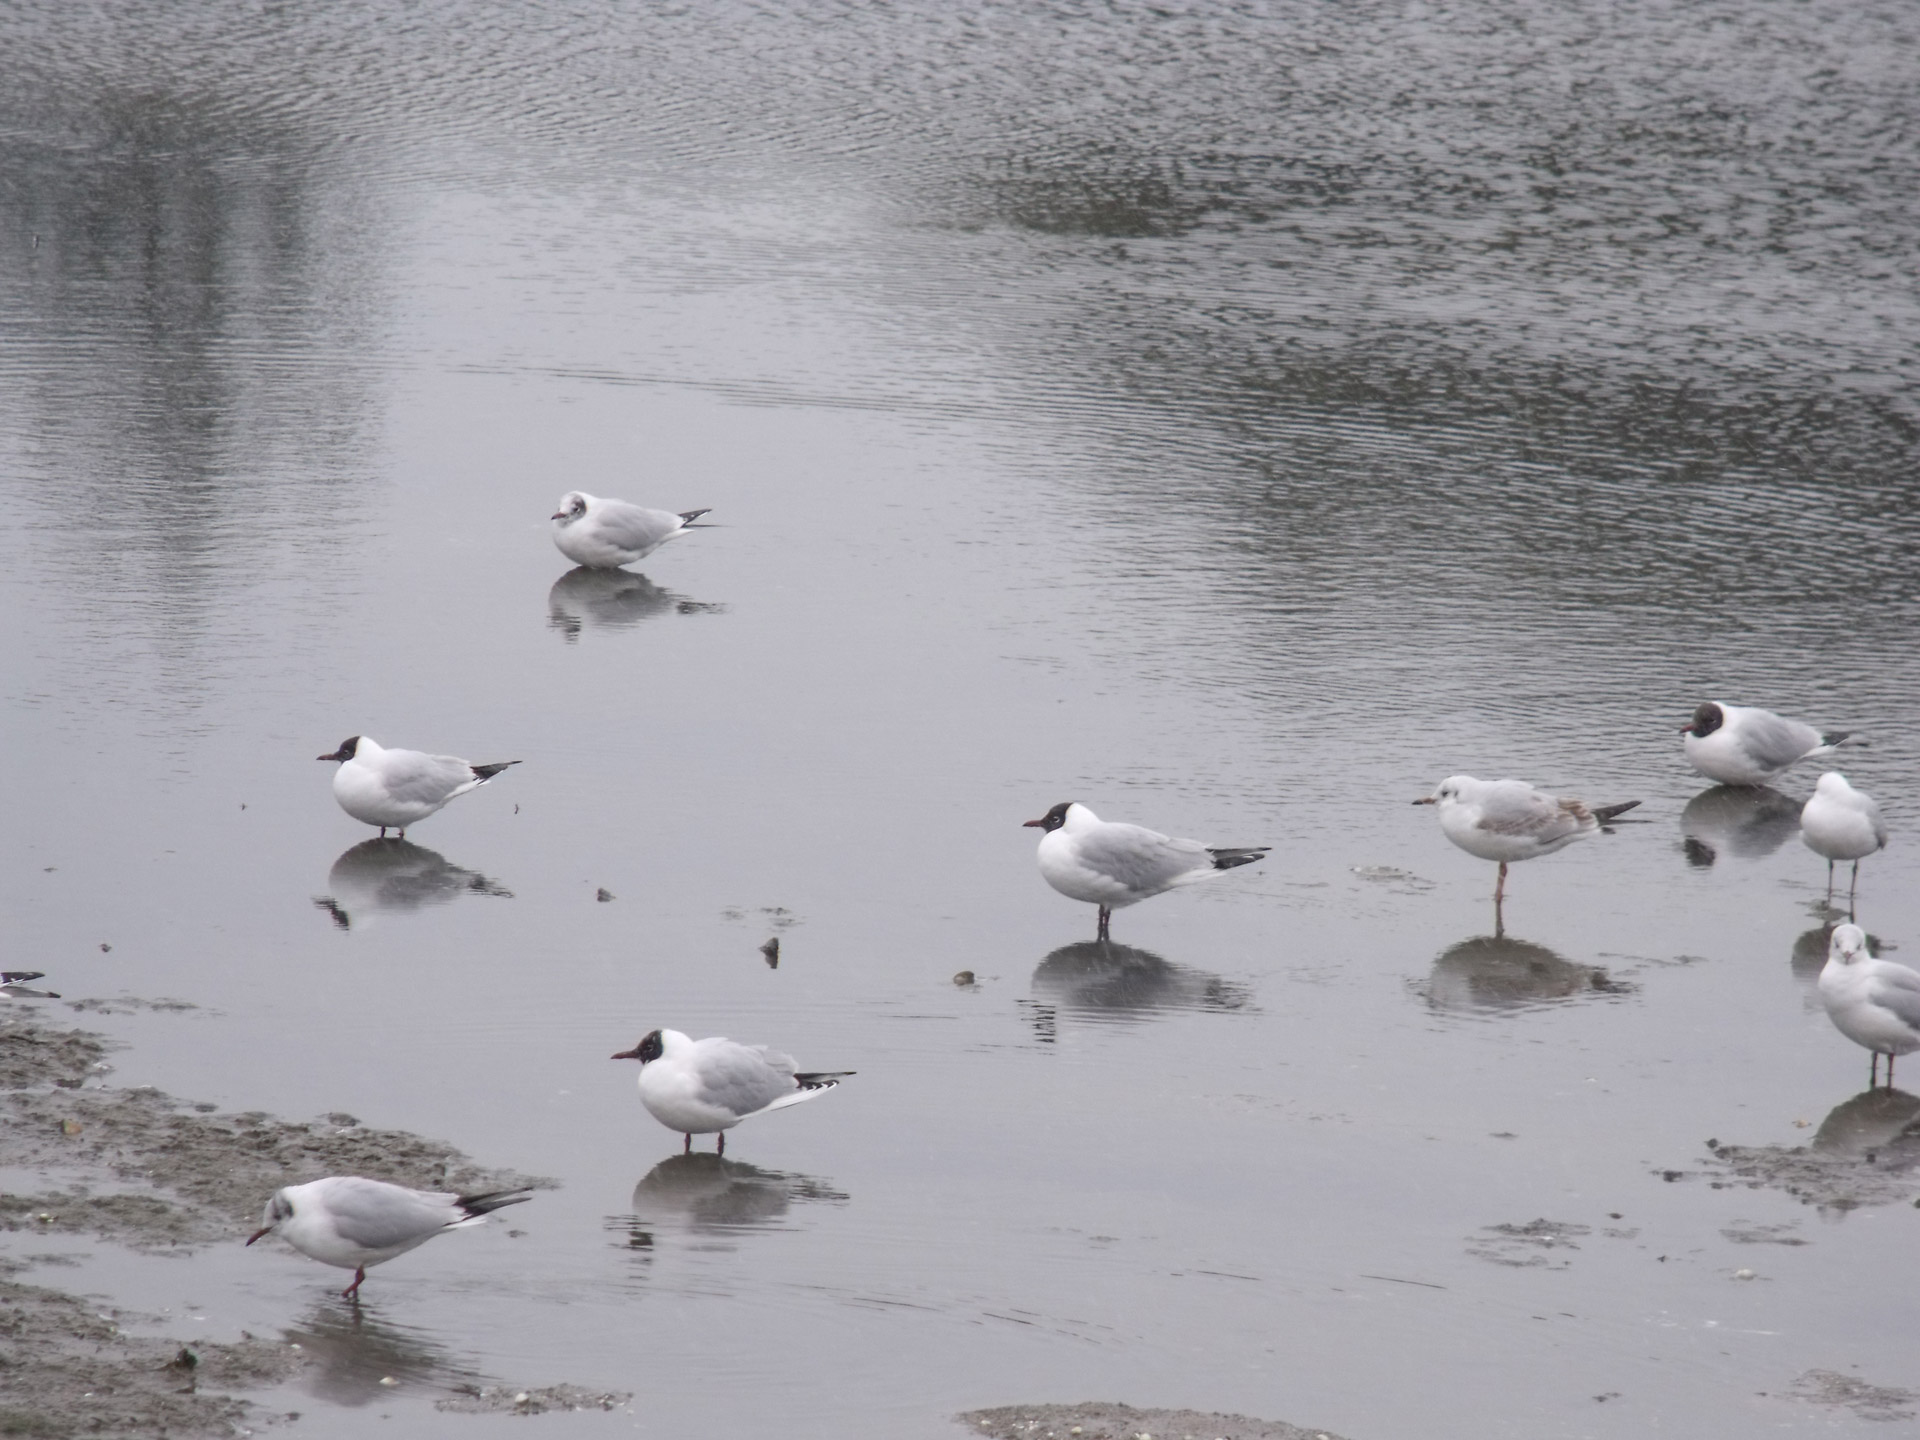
{"x": 603, "y": 895}
{"x": 965, "y": 977}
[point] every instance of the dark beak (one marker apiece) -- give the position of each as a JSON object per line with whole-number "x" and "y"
{"x": 1028, "y": 824}
{"x": 1686, "y": 728}
{"x": 336, "y": 755}
{"x": 269, "y": 1229}
{"x": 1426, "y": 800}
{"x": 633, "y": 1054}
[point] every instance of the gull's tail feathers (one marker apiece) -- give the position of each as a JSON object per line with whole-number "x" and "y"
{"x": 487, "y": 772}
{"x": 1604, "y": 813}
{"x": 1225, "y": 857}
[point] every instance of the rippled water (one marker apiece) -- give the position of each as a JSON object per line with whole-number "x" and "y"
{"x": 1235, "y": 417}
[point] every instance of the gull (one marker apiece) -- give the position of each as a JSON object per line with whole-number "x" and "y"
{"x": 1111, "y": 865}
{"x": 703, "y": 1087}
{"x": 1842, "y": 823}
{"x": 606, "y": 534}
{"x": 1742, "y": 745}
{"x": 14, "y": 985}
{"x": 1509, "y": 820}
{"x": 1874, "y": 1003}
{"x": 400, "y": 787}
{"x": 346, "y": 1221}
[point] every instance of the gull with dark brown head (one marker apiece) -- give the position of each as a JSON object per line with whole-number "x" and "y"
{"x": 398, "y": 788}
{"x": 706, "y": 1087}
{"x": 1510, "y": 820}
{"x": 1745, "y": 745}
{"x": 1111, "y": 864}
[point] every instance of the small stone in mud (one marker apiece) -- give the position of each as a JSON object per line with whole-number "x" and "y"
{"x": 105, "y": 949}
{"x": 603, "y": 895}
{"x": 964, "y": 978}
{"x": 1102, "y": 1420}
{"x": 509, "y": 1400}
{"x": 772, "y": 951}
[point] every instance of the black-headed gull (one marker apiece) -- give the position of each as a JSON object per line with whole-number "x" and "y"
{"x": 706, "y": 1087}
{"x": 398, "y": 788}
{"x": 1874, "y": 1003}
{"x": 1510, "y": 820}
{"x": 1112, "y": 865}
{"x": 1743, "y": 745}
{"x": 606, "y": 534}
{"x": 353, "y": 1223}
{"x": 1842, "y": 823}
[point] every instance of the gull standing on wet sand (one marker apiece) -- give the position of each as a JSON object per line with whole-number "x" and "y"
{"x": 700, "y": 1087}
{"x": 353, "y": 1223}
{"x": 398, "y": 788}
{"x": 606, "y": 534}
{"x": 1111, "y": 864}
{"x": 1743, "y": 745}
{"x": 1510, "y": 820}
{"x": 1874, "y": 1003}
{"x": 1842, "y": 823}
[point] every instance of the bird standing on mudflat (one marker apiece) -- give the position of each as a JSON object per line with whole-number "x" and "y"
{"x": 1842, "y": 823}
{"x": 397, "y": 788}
{"x": 1510, "y": 820}
{"x": 353, "y": 1223}
{"x": 704, "y": 1087}
{"x": 606, "y": 534}
{"x": 1874, "y": 1003}
{"x": 1744, "y": 745}
{"x": 1112, "y": 864}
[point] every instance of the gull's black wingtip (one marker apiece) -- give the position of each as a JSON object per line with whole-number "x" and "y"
{"x": 1605, "y": 813}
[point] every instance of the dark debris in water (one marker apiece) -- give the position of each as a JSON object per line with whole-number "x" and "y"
{"x": 1869, "y": 1402}
{"x": 1866, "y": 1152}
{"x": 1529, "y": 1245}
{"x": 1104, "y": 1420}
{"x": 507, "y": 1400}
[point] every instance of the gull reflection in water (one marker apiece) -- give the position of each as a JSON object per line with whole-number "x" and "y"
{"x": 708, "y": 1194}
{"x": 1102, "y": 980}
{"x": 614, "y": 599}
{"x": 1869, "y": 1123}
{"x": 1742, "y": 821}
{"x": 351, "y": 1354}
{"x": 1496, "y": 972}
{"x": 397, "y": 875}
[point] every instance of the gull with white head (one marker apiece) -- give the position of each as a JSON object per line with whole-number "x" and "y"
{"x": 1842, "y": 823}
{"x": 606, "y": 534}
{"x": 1874, "y": 1003}
{"x": 1510, "y": 820}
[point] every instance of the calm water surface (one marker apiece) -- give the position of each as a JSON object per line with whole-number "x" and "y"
{"x": 1234, "y": 417}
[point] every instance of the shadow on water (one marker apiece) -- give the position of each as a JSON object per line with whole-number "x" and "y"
{"x": 612, "y": 600}
{"x": 351, "y": 1354}
{"x": 1494, "y": 973}
{"x": 397, "y": 875}
{"x": 1101, "y": 980}
{"x": 1867, "y": 1123}
{"x": 707, "y": 1194}
{"x": 1865, "y": 1153}
{"x": 1739, "y": 821}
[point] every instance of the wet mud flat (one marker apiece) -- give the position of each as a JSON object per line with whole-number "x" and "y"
{"x": 1102, "y": 1420}
{"x": 141, "y": 1169}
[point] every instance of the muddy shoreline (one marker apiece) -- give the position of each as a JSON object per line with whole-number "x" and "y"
{"x": 143, "y": 1170}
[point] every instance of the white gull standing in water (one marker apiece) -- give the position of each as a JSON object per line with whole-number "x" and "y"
{"x": 1112, "y": 864}
{"x": 606, "y": 534}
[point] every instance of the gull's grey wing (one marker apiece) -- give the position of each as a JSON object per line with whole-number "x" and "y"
{"x": 742, "y": 1078}
{"x": 634, "y": 527}
{"x": 1775, "y": 741}
{"x": 1513, "y": 807}
{"x": 1897, "y": 988}
{"x": 1139, "y": 858}
{"x": 377, "y": 1216}
{"x": 428, "y": 779}
{"x": 1878, "y": 822}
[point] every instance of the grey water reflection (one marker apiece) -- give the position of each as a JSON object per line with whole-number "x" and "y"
{"x": 709, "y": 1195}
{"x": 1496, "y": 973}
{"x": 1103, "y": 980}
{"x": 397, "y": 876}
{"x": 613, "y": 600}
{"x": 351, "y": 1354}
{"x": 1870, "y": 1122}
{"x": 1743, "y": 822}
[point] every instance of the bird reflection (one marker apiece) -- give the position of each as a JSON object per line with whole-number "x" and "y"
{"x": 1868, "y": 1123}
{"x": 1103, "y": 980}
{"x": 1745, "y": 822}
{"x": 708, "y": 1194}
{"x": 394, "y": 874}
{"x": 352, "y": 1354}
{"x": 612, "y": 598}
{"x": 1497, "y": 972}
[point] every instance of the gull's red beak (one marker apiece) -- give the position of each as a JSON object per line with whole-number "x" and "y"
{"x": 1686, "y": 727}
{"x": 268, "y": 1230}
{"x": 1426, "y": 800}
{"x": 633, "y": 1054}
{"x": 1028, "y": 824}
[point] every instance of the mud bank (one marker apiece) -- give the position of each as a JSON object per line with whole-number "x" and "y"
{"x": 141, "y": 1169}
{"x": 1100, "y": 1420}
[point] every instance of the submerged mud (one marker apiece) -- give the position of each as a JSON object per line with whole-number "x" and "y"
{"x": 141, "y": 1169}
{"x": 1102, "y": 1420}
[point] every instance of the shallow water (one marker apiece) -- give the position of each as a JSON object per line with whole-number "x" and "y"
{"x": 1236, "y": 418}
